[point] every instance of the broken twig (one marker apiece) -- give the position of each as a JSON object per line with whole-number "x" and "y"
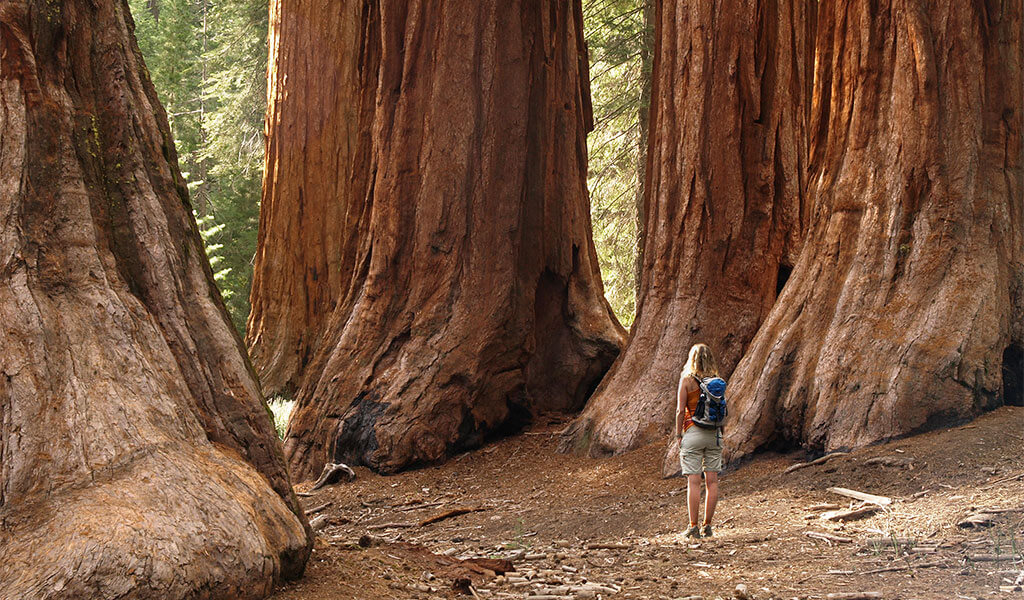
{"x": 816, "y": 461}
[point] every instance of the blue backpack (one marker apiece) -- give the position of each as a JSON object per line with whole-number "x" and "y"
{"x": 711, "y": 409}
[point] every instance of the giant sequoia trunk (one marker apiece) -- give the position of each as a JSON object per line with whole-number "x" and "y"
{"x": 136, "y": 457}
{"x": 724, "y": 205}
{"x": 476, "y": 298}
{"x": 314, "y": 186}
{"x": 910, "y": 288}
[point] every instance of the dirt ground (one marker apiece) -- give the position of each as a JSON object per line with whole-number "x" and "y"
{"x": 546, "y": 512}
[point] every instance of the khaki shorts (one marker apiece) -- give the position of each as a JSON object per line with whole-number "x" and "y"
{"x": 700, "y": 450}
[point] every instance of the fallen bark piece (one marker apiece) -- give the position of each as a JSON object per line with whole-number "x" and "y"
{"x": 850, "y": 515}
{"x": 828, "y": 537}
{"x": 855, "y": 596}
{"x": 816, "y": 461}
{"x": 607, "y": 546}
{"x": 462, "y": 510}
{"x": 332, "y": 473}
{"x": 865, "y": 497}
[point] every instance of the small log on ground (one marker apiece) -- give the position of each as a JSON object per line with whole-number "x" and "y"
{"x": 855, "y": 596}
{"x": 816, "y": 461}
{"x": 865, "y": 497}
{"x": 607, "y": 546}
{"x": 332, "y": 473}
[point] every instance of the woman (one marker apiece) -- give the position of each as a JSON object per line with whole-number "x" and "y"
{"x": 700, "y": 449}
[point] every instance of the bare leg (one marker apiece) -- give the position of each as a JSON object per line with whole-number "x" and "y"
{"x": 693, "y": 497}
{"x": 709, "y": 503}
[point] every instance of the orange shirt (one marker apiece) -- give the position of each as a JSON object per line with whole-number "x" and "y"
{"x": 690, "y": 408}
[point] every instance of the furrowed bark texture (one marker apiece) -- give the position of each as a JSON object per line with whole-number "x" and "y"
{"x": 477, "y": 298}
{"x": 314, "y": 187}
{"x": 136, "y": 457}
{"x": 909, "y": 288}
{"x": 724, "y": 204}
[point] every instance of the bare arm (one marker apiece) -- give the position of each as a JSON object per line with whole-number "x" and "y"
{"x": 680, "y": 404}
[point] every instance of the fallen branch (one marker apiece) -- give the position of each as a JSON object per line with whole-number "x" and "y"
{"x": 331, "y": 473}
{"x": 855, "y": 596}
{"x": 873, "y": 499}
{"x": 816, "y": 461}
{"x": 850, "y": 515}
{"x": 994, "y": 557}
{"x": 1002, "y": 480}
{"x": 610, "y": 546}
{"x": 904, "y": 568}
{"x": 419, "y": 506}
{"x": 317, "y": 509}
{"x": 451, "y": 513}
{"x": 828, "y": 537}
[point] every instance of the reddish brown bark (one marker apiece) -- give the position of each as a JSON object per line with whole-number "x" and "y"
{"x": 477, "y": 298}
{"x": 136, "y": 457}
{"x": 724, "y": 204}
{"x": 909, "y": 289}
{"x": 314, "y": 186}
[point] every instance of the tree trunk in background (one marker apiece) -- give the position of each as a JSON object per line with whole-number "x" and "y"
{"x": 314, "y": 185}
{"x": 724, "y": 205}
{"x": 477, "y": 298}
{"x": 643, "y": 116}
{"x": 910, "y": 287}
{"x": 136, "y": 457}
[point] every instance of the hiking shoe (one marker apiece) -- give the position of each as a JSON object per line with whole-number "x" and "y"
{"x": 705, "y": 531}
{"x": 692, "y": 533}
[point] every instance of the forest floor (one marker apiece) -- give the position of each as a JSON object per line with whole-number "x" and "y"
{"x": 546, "y": 512}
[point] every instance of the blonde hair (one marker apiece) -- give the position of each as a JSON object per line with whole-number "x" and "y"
{"x": 700, "y": 362}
